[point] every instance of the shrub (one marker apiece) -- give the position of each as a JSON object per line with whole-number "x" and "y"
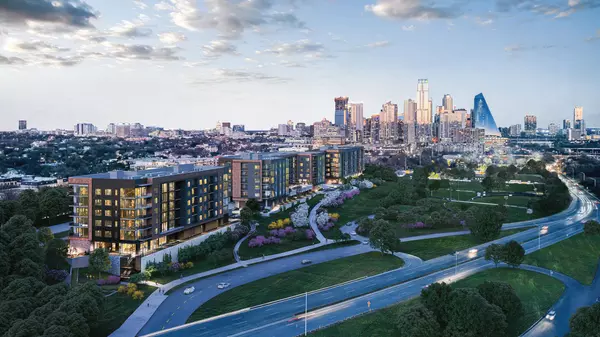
{"x": 122, "y": 289}
{"x": 137, "y": 278}
{"x": 56, "y": 275}
{"x": 131, "y": 288}
{"x": 175, "y": 267}
{"x": 310, "y": 234}
{"x": 137, "y": 295}
{"x": 260, "y": 241}
{"x": 110, "y": 280}
{"x": 189, "y": 265}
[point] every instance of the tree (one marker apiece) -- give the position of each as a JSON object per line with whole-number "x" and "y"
{"x": 495, "y": 252}
{"x": 253, "y": 205}
{"x": 504, "y": 296}
{"x": 491, "y": 171}
{"x": 435, "y": 185}
{"x": 383, "y": 237}
{"x": 515, "y": 254}
{"x": 29, "y": 204}
{"x": 512, "y": 170}
{"x": 486, "y": 225}
{"x": 421, "y": 178}
{"x": 591, "y": 227}
{"x": 51, "y": 203}
{"x": 585, "y": 322}
{"x": 417, "y": 322}
{"x": 488, "y": 183}
{"x": 470, "y": 315}
{"x": 56, "y": 254}
{"x": 45, "y": 235}
{"x": 246, "y": 215}
{"x": 99, "y": 261}
{"x": 18, "y": 225}
{"x": 436, "y": 298}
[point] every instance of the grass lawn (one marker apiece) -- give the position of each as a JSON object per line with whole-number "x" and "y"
{"x": 199, "y": 267}
{"x": 514, "y": 200}
{"x": 576, "y": 257}
{"x": 247, "y": 253}
{"x": 537, "y": 293}
{"x": 534, "y": 178}
{"x": 405, "y": 233}
{"x": 297, "y": 282}
{"x": 462, "y": 195}
{"x": 432, "y": 248}
{"x": 117, "y": 308}
{"x": 363, "y": 204}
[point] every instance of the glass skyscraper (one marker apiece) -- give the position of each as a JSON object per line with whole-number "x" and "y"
{"x": 482, "y": 117}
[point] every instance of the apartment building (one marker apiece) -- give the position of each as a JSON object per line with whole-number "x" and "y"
{"x": 311, "y": 168}
{"x": 343, "y": 162}
{"x": 133, "y": 212}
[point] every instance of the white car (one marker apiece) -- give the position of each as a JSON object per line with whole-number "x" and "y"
{"x": 365, "y": 242}
{"x": 189, "y": 290}
{"x": 306, "y": 262}
{"x": 473, "y": 253}
{"x": 551, "y": 314}
{"x": 353, "y": 233}
{"x": 223, "y": 285}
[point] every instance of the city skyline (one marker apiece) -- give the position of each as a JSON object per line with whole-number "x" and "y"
{"x": 144, "y": 60}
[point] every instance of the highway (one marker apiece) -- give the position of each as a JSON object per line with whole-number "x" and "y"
{"x": 327, "y": 306}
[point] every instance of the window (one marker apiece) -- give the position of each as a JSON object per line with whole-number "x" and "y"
{"x": 98, "y": 202}
{"x": 98, "y": 212}
{"x": 108, "y": 202}
{"x": 98, "y": 191}
{"x": 189, "y": 184}
{"x": 97, "y": 223}
{"x": 98, "y": 234}
{"x": 108, "y": 192}
{"x": 189, "y": 202}
{"x": 108, "y": 223}
{"x": 107, "y": 234}
{"x": 108, "y": 212}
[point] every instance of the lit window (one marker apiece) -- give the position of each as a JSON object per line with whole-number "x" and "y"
{"x": 107, "y": 191}
{"x": 98, "y": 191}
{"x": 108, "y": 212}
{"x": 108, "y": 202}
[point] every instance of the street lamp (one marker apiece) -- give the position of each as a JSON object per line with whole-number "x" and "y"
{"x": 456, "y": 265}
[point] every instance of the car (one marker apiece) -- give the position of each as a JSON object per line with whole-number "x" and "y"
{"x": 365, "y": 242}
{"x": 223, "y": 285}
{"x": 353, "y": 233}
{"x": 426, "y": 286}
{"x": 306, "y": 262}
{"x": 189, "y": 290}
{"x": 597, "y": 299}
{"x": 550, "y": 315}
{"x": 544, "y": 228}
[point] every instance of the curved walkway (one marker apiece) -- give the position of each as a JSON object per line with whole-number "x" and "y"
{"x": 236, "y": 249}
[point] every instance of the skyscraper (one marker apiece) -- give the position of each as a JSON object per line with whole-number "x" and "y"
{"x": 356, "y": 115}
{"x": 530, "y": 124}
{"x": 566, "y": 124}
{"x": 423, "y": 104}
{"x": 410, "y": 120}
{"x": 450, "y": 123}
{"x": 448, "y": 103}
{"x": 341, "y": 111}
{"x": 22, "y": 124}
{"x": 578, "y": 121}
{"x": 388, "y": 132}
{"x": 482, "y": 117}
{"x": 578, "y": 113}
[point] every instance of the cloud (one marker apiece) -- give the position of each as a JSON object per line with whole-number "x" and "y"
{"x": 218, "y": 48}
{"x": 409, "y": 28}
{"x": 142, "y": 52}
{"x": 378, "y": 44}
{"x": 140, "y": 4}
{"x": 229, "y": 18}
{"x": 130, "y": 29}
{"x": 295, "y": 48}
{"x": 62, "y": 61}
{"x": 290, "y": 64}
{"x": 171, "y": 38}
{"x": 11, "y": 60}
{"x": 483, "y": 21}
{"x": 238, "y": 76}
{"x": 17, "y": 46}
{"x": 413, "y": 9}
{"x": 68, "y": 12}
{"x": 517, "y": 48}
{"x": 594, "y": 38}
{"x": 541, "y": 7}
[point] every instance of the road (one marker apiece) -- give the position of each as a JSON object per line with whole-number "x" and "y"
{"x": 381, "y": 290}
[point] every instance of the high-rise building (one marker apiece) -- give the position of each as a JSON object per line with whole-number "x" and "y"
{"x": 133, "y": 212}
{"x": 515, "y": 130}
{"x": 530, "y": 124}
{"x": 283, "y": 130}
{"x": 410, "y": 120}
{"x": 123, "y": 130}
{"x": 578, "y": 113}
{"x": 578, "y": 121}
{"x": 341, "y": 111}
{"x": 553, "y": 129}
{"x": 239, "y": 128}
{"x": 371, "y": 129}
{"x": 566, "y": 124}
{"x": 448, "y": 103}
{"x": 84, "y": 129}
{"x": 22, "y": 124}
{"x": 424, "y": 113}
{"x": 388, "y": 119}
{"x": 356, "y": 116}
{"x": 482, "y": 117}
{"x": 450, "y": 123}
{"x": 111, "y": 129}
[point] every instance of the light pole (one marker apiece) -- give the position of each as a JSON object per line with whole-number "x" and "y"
{"x": 305, "y": 313}
{"x": 539, "y": 237}
{"x": 456, "y": 265}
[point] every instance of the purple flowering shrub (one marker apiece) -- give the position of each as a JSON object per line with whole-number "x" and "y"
{"x": 310, "y": 234}
{"x": 416, "y": 225}
{"x": 260, "y": 241}
{"x": 56, "y": 275}
{"x": 282, "y": 232}
{"x": 111, "y": 279}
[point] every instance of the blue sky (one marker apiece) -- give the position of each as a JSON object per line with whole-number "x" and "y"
{"x": 186, "y": 63}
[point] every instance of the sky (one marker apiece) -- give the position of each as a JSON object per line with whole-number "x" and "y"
{"x": 188, "y": 64}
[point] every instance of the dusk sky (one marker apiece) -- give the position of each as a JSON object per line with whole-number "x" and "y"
{"x": 186, "y": 63}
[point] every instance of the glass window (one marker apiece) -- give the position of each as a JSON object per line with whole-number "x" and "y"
{"x": 107, "y": 234}
{"x": 108, "y": 212}
{"x": 98, "y": 202}
{"x": 98, "y": 191}
{"x": 98, "y": 212}
{"x": 108, "y": 202}
{"x": 108, "y": 191}
{"x": 97, "y": 223}
{"x": 189, "y": 184}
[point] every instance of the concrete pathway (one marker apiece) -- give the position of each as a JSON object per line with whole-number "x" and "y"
{"x": 60, "y": 228}
{"x": 238, "y": 244}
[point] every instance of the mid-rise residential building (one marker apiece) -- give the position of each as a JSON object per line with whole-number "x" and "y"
{"x": 84, "y": 129}
{"x": 133, "y": 212}
{"x": 553, "y": 129}
{"x": 530, "y": 124}
{"x": 123, "y": 130}
{"x": 343, "y": 162}
{"x": 515, "y": 130}
{"x": 388, "y": 123}
{"x": 22, "y": 124}
{"x": 311, "y": 168}
{"x": 341, "y": 111}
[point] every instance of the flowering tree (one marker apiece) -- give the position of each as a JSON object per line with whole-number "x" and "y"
{"x": 330, "y": 198}
{"x": 300, "y": 216}
{"x": 365, "y": 184}
{"x": 310, "y": 234}
{"x": 322, "y": 218}
{"x": 260, "y": 241}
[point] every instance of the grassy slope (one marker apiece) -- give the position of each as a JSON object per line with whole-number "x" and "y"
{"x": 297, "y": 282}
{"x": 432, "y": 248}
{"x": 536, "y": 291}
{"x": 576, "y": 257}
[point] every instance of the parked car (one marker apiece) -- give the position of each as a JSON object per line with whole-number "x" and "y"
{"x": 223, "y": 285}
{"x": 551, "y": 314}
{"x": 189, "y": 290}
{"x": 365, "y": 242}
{"x": 306, "y": 261}
{"x": 353, "y": 233}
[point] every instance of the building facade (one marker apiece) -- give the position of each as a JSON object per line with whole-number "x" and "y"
{"x": 482, "y": 117}
{"x": 424, "y": 112}
{"x": 530, "y": 124}
{"x": 134, "y": 212}
{"x": 343, "y": 162}
{"x": 341, "y": 111}
{"x": 311, "y": 168}
{"x": 22, "y": 124}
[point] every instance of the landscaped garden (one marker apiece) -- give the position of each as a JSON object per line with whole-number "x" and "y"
{"x": 536, "y": 292}
{"x": 576, "y": 257}
{"x": 297, "y": 282}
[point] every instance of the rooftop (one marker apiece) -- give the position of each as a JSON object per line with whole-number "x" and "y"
{"x": 151, "y": 173}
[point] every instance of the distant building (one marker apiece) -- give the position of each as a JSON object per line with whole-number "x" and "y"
{"x": 482, "y": 118}
{"x": 515, "y": 130}
{"x": 530, "y": 124}
{"x": 388, "y": 123}
{"x": 447, "y": 103}
{"x": 410, "y": 121}
{"x": 111, "y": 129}
{"x": 283, "y": 130}
{"x": 566, "y": 124}
{"x": 553, "y": 129}
{"x": 574, "y": 134}
{"x": 424, "y": 108}
{"x": 22, "y": 124}
{"x": 123, "y": 130}
{"x": 449, "y": 124}
{"x": 84, "y": 129}
{"x": 341, "y": 111}
{"x": 239, "y": 128}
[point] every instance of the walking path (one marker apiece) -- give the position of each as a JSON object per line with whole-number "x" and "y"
{"x": 60, "y": 228}
{"x": 238, "y": 244}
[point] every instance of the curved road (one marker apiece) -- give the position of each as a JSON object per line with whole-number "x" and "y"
{"x": 381, "y": 290}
